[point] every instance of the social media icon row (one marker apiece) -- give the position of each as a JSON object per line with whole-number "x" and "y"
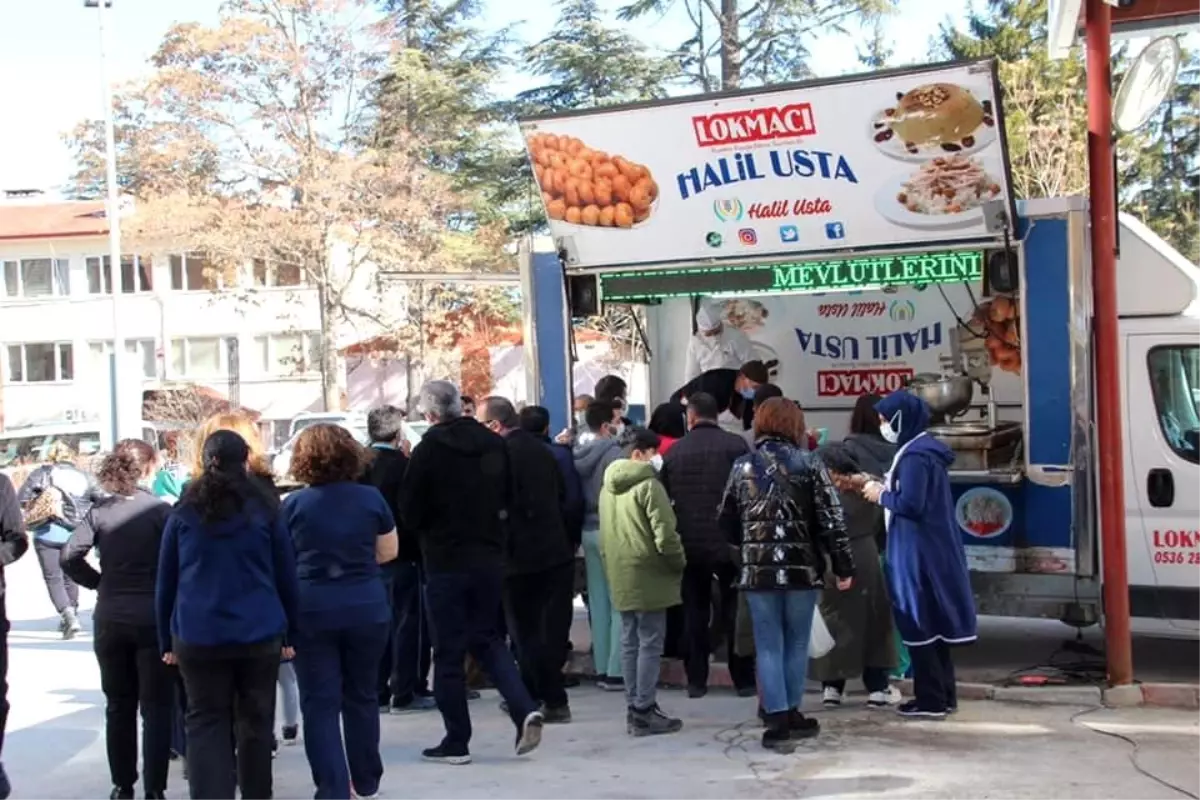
{"x": 788, "y": 234}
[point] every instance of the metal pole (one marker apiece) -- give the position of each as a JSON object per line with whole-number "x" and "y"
{"x": 114, "y": 228}
{"x": 1108, "y": 344}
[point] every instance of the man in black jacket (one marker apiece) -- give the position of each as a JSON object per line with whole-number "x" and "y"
{"x": 13, "y": 544}
{"x": 404, "y": 670}
{"x": 732, "y": 389}
{"x": 695, "y": 472}
{"x": 540, "y": 576}
{"x": 456, "y": 496}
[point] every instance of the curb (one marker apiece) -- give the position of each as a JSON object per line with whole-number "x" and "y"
{"x": 1158, "y": 695}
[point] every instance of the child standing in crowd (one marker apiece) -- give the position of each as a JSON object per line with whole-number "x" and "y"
{"x": 643, "y": 560}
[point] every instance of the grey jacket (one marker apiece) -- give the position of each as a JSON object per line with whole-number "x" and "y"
{"x": 591, "y": 460}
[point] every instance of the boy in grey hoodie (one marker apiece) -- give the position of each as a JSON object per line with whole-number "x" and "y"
{"x": 591, "y": 460}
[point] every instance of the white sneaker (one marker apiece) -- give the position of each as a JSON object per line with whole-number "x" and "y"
{"x": 832, "y": 696}
{"x": 889, "y": 697}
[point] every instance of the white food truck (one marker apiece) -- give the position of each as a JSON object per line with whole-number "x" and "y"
{"x": 862, "y": 233}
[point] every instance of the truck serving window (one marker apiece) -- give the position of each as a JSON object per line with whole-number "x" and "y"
{"x": 1175, "y": 378}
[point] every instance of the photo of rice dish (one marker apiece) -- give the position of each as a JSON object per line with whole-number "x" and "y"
{"x": 948, "y": 185}
{"x": 984, "y": 512}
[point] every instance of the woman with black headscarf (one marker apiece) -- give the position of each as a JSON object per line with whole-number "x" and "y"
{"x": 226, "y": 603}
{"x": 859, "y": 619}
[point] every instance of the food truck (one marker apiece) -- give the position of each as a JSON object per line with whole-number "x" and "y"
{"x": 862, "y": 232}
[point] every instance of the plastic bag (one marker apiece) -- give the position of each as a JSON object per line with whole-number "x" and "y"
{"x": 820, "y": 640}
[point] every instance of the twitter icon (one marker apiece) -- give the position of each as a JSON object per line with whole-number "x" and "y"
{"x": 789, "y": 234}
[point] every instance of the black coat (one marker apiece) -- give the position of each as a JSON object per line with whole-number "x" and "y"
{"x": 695, "y": 472}
{"x": 721, "y": 384}
{"x": 456, "y": 496}
{"x": 782, "y": 509}
{"x": 13, "y": 540}
{"x": 537, "y": 535}
{"x": 573, "y": 502}
{"x": 386, "y": 473}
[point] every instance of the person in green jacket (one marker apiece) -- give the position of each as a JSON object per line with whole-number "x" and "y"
{"x": 643, "y": 561}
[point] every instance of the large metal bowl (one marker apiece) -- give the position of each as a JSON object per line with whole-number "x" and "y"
{"x": 948, "y": 396}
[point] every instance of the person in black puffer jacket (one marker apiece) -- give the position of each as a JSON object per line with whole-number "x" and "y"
{"x": 695, "y": 471}
{"x": 781, "y": 507}
{"x": 404, "y": 671}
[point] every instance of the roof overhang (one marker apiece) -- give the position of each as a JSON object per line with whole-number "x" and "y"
{"x": 1130, "y": 18}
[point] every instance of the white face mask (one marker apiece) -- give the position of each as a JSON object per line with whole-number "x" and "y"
{"x": 656, "y": 462}
{"x": 618, "y": 428}
{"x": 887, "y": 431}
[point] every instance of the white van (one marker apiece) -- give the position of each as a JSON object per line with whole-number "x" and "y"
{"x": 30, "y": 444}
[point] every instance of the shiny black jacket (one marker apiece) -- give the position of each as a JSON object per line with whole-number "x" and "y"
{"x": 784, "y": 512}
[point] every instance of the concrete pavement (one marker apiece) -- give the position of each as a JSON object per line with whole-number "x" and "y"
{"x": 55, "y": 746}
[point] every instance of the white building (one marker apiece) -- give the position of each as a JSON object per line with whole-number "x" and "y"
{"x": 56, "y": 321}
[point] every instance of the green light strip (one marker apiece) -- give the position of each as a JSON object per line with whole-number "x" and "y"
{"x": 801, "y": 277}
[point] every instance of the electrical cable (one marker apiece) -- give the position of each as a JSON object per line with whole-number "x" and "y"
{"x": 1132, "y": 754}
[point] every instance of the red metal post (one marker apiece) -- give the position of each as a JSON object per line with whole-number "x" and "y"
{"x": 1111, "y": 458}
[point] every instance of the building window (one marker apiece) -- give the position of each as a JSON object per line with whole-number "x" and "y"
{"x": 37, "y": 277}
{"x": 41, "y": 362}
{"x": 144, "y": 349}
{"x": 135, "y": 274}
{"x": 272, "y": 272}
{"x": 287, "y": 353}
{"x": 197, "y": 357}
{"x": 191, "y": 272}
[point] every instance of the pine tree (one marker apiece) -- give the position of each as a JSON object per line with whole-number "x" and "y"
{"x": 746, "y": 42}
{"x": 879, "y": 51}
{"x": 588, "y": 63}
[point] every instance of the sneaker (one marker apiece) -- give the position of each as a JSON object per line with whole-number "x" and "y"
{"x": 611, "y": 684}
{"x": 418, "y": 704}
{"x": 747, "y": 691}
{"x": 832, "y": 696}
{"x": 696, "y": 692}
{"x": 557, "y": 716}
{"x": 778, "y": 735}
{"x": 121, "y": 793}
{"x": 802, "y": 727}
{"x": 447, "y": 755}
{"x": 888, "y": 697}
{"x": 70, "y": 626}
{"x": 473, "y": 694}
{"x": 291, "y": 734}
{"x": 530, "y": 735}
{"x": 911, "y": 709}
{"x": 653, "y": 723}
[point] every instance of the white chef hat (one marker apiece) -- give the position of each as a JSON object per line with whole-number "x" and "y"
{"x": 708, "y": 318}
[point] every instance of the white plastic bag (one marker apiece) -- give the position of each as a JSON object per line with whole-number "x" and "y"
{"x": 820, "y": 640}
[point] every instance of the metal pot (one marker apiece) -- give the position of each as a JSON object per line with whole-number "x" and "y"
{"x": 946, "y": 396}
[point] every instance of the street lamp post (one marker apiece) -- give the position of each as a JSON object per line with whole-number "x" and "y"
{"x": 113, "y": 214}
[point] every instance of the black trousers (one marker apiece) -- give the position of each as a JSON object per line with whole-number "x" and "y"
{"x": 134, "y": 678}
{"x": 218, "y": 681}
{"x": 4, "y": 626}
{"x": 539, "y": 611}
{"x": 697, "y": 612}
{"x": 933, "y": 677}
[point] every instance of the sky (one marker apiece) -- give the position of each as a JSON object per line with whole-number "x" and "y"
{"x": 50, "y": 62}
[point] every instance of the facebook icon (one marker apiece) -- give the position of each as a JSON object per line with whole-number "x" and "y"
{"x": 835, "y": 230}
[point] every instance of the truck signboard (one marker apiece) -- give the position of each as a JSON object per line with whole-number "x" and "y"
{"x": 893, "y": 159}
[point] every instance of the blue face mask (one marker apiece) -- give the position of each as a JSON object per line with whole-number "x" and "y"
{"x": 748, "y": 394}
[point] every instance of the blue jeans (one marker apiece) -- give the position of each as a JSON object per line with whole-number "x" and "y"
{"x": 338, "y": 672}
{"x": 782, "y": 622}
{"x": 464, "y": 613}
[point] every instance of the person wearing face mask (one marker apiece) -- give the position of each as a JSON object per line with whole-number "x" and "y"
{"x": 930, "y": 588}
{"x": 644, "y": 561}
{"x": 695, "y": 472}
{"x": 733, "y": 389}
{"x": 539, "y": 564}
{"x": 591, "y": 460}
{"x": 715, "y": 345}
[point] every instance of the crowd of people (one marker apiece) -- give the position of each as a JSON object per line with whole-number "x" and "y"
{"x": 395, "y": 571}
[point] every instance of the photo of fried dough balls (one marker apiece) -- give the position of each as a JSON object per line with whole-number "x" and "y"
{"x": 998, "y": 318}
{"x": 583, "y": 186}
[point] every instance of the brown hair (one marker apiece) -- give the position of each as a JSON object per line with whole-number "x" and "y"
{"x": 121, "y": 469}
{"x": 243, "y": 426}
{"x": 779, "y": 417}
{"x": 327, "y": 454}
{"x": 865, "y": 419}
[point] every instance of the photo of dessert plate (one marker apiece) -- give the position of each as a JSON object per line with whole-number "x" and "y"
{"x": 934, "y": 120}
{"x": 973, "y": 181}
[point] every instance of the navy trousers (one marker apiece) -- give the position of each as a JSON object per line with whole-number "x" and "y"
{"x": 338, "y": 673}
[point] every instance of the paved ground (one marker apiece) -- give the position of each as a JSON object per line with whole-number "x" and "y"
{"x": 55, "y": 745}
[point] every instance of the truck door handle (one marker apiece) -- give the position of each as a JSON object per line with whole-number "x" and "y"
{"x": 1160, "y": 488}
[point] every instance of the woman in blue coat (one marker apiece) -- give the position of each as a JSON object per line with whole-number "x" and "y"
{"x": 927, "y": 566}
